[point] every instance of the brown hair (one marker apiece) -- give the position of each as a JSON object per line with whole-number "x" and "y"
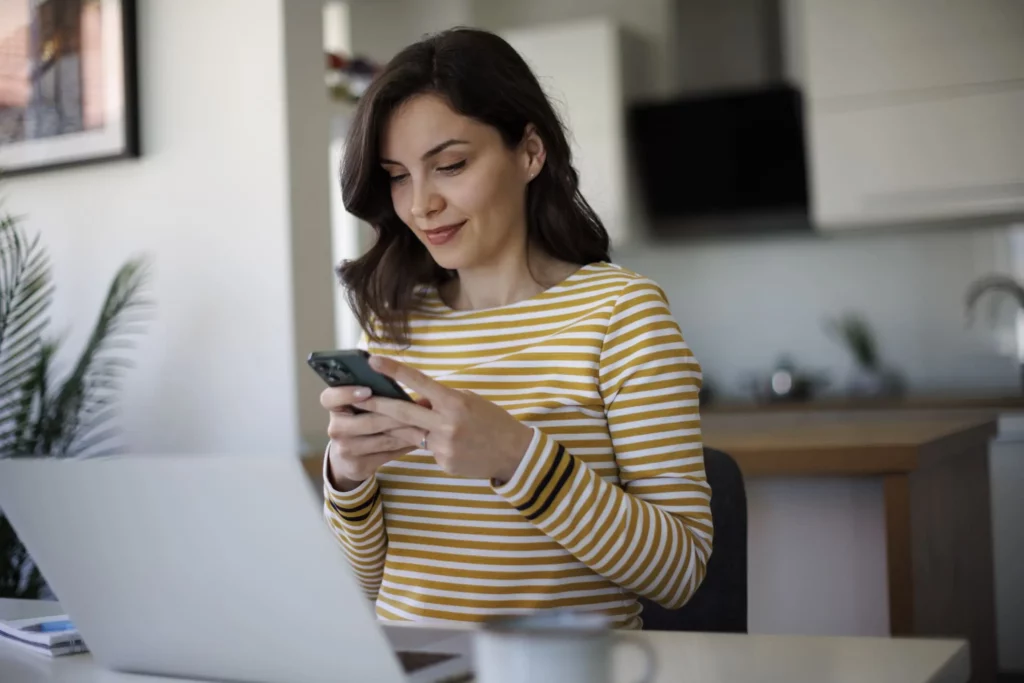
{"x": 480, "y": 76}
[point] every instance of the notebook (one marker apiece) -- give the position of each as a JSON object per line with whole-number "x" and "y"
{"x": 52, "y": 636}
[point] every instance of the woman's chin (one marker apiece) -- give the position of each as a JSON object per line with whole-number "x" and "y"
{"x": 450, "y": 259}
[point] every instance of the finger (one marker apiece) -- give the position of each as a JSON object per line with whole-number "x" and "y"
{"x": 359, "y": 447}
{"x": 344, "y": 425}
{"x": 406, "y": 412}
{"x": 337, "y": 398}
{"x": 410, "y": 377}
{"x": 360, "y": 469}
{"x": 412, "y": 436}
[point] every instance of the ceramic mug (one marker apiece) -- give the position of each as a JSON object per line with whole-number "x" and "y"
{"x": 554, "y": 647}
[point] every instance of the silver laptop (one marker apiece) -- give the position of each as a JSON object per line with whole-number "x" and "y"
{"x": 211, "y": 567}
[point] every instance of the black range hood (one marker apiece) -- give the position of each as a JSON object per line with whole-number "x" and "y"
{"x": 722, "y": 162}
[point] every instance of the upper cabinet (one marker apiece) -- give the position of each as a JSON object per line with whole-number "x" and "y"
{"x": 915, "y": 109}
{"x": 581, "y": 66}
{"x": 875, "y": 47}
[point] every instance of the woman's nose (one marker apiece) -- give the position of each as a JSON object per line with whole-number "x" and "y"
{"x": 425, "y": 201}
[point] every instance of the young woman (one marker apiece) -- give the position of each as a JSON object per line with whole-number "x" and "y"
{"x": 553, "y": 456}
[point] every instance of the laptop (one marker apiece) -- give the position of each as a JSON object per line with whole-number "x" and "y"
{"x": 211, "y": 567}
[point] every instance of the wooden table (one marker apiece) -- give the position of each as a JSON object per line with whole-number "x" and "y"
{"x": 709, "y": 658}
{"x": 934, "y": 469}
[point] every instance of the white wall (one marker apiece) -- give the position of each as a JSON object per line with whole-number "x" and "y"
{"x": 383, "y": 27}
{"x": 309, "y": 181}
{"x": 209, "y": 200}
{"x": 743, "y": 303}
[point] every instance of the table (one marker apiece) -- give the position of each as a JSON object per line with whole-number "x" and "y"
{"x": 709, "y": 658}
{"x": 932, "y": 469}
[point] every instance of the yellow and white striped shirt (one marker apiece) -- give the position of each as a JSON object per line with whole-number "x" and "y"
{"x": 610, "y": 500}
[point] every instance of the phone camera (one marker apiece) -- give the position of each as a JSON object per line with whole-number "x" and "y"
{"x": 336, "y": 372}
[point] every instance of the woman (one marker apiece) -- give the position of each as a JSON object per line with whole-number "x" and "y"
{"x": 553, "y": 455}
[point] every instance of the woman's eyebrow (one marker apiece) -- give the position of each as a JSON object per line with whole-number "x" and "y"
{"x": 433, "y": 151}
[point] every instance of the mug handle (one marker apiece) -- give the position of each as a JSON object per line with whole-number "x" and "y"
{"x": 651, "y": 659}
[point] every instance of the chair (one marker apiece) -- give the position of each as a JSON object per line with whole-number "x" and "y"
{"x": 720, "y": 603}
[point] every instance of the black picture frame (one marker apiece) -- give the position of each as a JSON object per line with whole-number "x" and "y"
{"x": 89, "y": 44}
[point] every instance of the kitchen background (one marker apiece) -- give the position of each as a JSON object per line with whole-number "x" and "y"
{"x": 751, "y": 286}
{"x": 911, "y": 120}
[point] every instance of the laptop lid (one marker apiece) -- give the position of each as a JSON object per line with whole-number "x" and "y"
{"x": 198, "y": 566}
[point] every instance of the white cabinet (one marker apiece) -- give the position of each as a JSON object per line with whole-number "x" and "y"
{"x": 874, "y": 47}
{"x": 915, "y": 109}
{"x": 956, "y": 157}
{"x": 581, "y": 66}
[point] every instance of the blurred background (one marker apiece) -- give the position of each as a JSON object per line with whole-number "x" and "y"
{"x": 830, "y": 192}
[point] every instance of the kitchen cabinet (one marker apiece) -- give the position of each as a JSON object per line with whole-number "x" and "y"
{"x": 959, "y": 156}
{"x": 582, "y": 66}
{"x": 914, "y": 110}
{"x": 879, "y": 47}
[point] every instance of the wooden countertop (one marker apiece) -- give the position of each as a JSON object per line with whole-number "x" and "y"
{"x": 960, "y": 401}
{"x": 852, "y": 443}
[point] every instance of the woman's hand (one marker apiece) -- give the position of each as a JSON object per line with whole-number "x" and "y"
{"x": 468, "y": 435}
{"x": 360, "y": 442}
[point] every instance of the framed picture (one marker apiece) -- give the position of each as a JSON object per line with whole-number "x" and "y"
{"x": 68, "y": 90}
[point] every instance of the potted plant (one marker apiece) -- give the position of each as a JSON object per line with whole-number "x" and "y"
{"x": 45, "y": 410}
{"x": 869, "y": 376}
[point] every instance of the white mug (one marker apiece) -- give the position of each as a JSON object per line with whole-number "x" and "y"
{"x": 552, "y": 647}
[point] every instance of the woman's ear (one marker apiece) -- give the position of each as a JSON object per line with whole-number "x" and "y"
{"x": 533, "y": 152}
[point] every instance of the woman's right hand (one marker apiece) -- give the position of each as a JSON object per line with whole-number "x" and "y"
{"x": 360, "y": 442}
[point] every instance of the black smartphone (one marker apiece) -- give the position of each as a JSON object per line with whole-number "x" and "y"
{"x": 351, "y": 367}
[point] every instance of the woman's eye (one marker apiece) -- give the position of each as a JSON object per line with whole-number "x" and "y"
{"x": 452, "y": 168}
{"x": 395, "y": 179}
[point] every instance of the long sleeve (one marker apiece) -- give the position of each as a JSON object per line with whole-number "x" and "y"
{"x": 356, "y": 518}
{"x": 653, "y": 534}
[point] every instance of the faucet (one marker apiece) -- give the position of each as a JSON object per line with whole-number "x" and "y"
{"x": 1002, "y": 283}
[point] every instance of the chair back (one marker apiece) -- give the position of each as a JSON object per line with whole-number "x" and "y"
{"x": 720, "y": 603}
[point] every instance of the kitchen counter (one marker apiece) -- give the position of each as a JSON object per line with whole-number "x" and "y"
{"x": 955, "y": 401}
{"x": 933, "y": 470}
{"x": 844, "y": 442}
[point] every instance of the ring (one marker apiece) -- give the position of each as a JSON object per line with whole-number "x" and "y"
{"x": 423, "y": 441}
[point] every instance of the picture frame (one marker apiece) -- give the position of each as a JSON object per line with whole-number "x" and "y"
{"x": 68, "y": 83}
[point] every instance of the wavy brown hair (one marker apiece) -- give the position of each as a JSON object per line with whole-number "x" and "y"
{"x": 482, "y": 77}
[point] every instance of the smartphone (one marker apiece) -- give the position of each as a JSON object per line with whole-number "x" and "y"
{"x": 351, "y": 367}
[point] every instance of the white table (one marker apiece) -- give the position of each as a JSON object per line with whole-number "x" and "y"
{"x": 682, "y": 657}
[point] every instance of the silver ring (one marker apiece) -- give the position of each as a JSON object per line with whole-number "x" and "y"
{"x": 423, "y": 442}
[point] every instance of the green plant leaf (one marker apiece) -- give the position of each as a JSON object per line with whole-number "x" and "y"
{"x": 94, "y": 377}
{"x": 26, "y": 291}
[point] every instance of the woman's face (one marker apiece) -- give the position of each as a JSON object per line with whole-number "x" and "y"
{"x": 455, "y": 183}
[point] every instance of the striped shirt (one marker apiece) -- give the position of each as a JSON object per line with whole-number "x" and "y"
{"x": 610, "y": 501}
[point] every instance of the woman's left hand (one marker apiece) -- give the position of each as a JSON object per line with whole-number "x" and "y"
{"x": 468, "y": 435}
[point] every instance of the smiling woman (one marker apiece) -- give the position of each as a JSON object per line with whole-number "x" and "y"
{"x": 553, "y": 455}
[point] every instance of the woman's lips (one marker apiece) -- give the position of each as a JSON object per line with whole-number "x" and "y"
{"x": 439, "y": 236}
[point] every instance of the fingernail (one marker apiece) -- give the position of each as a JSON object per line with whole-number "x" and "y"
{"x": 361, "y": 392}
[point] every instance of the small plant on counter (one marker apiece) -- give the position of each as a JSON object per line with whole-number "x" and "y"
{"x": 869, "y": 377}
{"x": 45, "y": 412}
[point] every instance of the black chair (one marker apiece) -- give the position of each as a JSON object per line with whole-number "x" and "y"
{"x": 720, "y": 603}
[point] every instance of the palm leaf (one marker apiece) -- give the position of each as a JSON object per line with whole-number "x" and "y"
{"x": 26, "y": 290}
{"x": 95, "y": 377}
{"x": 38, "y": 416}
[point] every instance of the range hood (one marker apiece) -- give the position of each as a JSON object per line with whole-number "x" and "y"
{"x": 727, "y": 155}
{"x": 733, "y": 155}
